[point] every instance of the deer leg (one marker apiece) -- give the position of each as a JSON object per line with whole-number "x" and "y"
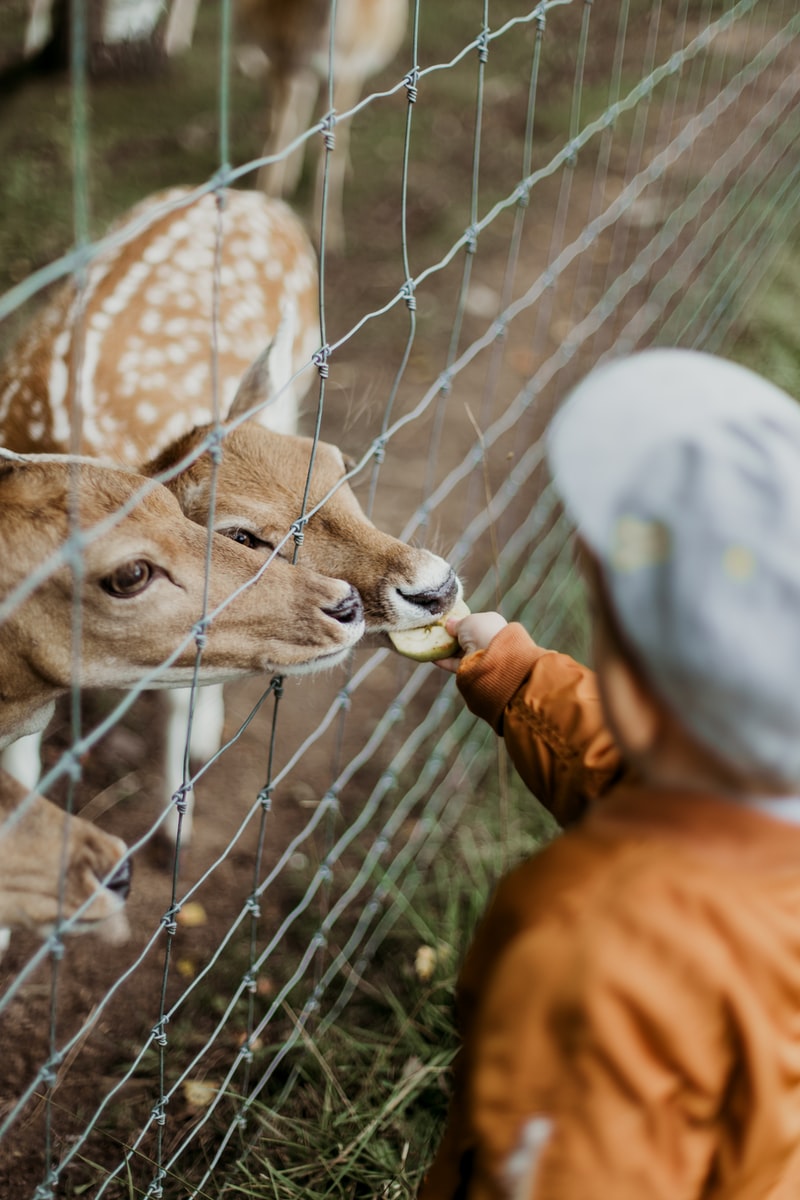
{"x": 23, "y": 759}
{"x": 291, "y": 109}
{"x": 39, "y": 29}
{"x": 205, "y": 740}
{"x": 180, "y": 26}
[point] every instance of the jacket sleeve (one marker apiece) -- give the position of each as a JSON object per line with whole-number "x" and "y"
{"x": 547, "y": 708}
{"x": 599, "y": 1070}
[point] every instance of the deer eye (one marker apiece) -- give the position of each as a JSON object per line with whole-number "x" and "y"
{"x": 245, "y": 538}
{"x": 130, "y": 579}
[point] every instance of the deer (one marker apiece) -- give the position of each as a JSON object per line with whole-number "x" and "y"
{"x": 252, "y": 491}
{"x": 141, "y": 589}
{"x": 294, "y": 37}
{"x": 58, "y": 870}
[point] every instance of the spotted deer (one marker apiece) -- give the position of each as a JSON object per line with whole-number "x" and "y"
{"x": 121, "y": 368}
{"x": 294, "y": 37}
{"x": 142, "y": 591}
{"x": 254, "y": 493}
{"x": 58, "y": 869}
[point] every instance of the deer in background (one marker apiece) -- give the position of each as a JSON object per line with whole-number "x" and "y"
{"x": 145, "y": 397}
{"x": 57, "y": 868}
{"x": 294, "y": 37}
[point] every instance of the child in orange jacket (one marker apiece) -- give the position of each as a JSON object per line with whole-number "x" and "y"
{"x": 630, "y": 1004}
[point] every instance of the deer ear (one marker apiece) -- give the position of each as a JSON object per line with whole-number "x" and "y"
{"x": 255, "y": 386}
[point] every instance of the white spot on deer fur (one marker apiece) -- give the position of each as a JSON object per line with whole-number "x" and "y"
{"x": 11, "y": 390}
{"x": 92, "y": 346}
{"x": 100, "y": 321}
{"x": 195, "y": 381}
{"x": 35, "y": 430}
{"x": 156, "y": 295}
{"x": 179, "y": 229}
{"x": 125, "y": 289}
{"x": 176, "y": 327}
{"x": 153, "y": 357}
{"x": 129, "y": 363}
{"x": 176, "y": 353}
{"x": 150, "y": 322}
{"x": 146, "y": 413}
{"x": 257, "y": 250}
{"x": 193, "y": 258}
{"x": 158, "y": 251}
{"x": 58, "y": 385}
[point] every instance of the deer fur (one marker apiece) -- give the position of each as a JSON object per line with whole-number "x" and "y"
{"x": 261, "y": 473}
{"x": 140, "y": 591}
{"x": 122, "y": 367}
{"x": 58, "y": 869}
{"x": 294, "y": 36}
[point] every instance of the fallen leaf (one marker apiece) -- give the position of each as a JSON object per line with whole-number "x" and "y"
{"x": 191, "y": 915}
{"x": 199, "y": 1092}
{"x": 425, "y": 962}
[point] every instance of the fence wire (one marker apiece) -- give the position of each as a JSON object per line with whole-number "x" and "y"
{"x": 598, "y": 178}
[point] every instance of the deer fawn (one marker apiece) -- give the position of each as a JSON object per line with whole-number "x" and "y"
{"x": 58, "y": 868}
{"x": 140, "y": 591}
{"x": 261, "y": 477}
{"x": 294, "y": 35}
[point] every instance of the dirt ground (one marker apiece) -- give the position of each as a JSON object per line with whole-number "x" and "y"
{"x": 120, "y": 783}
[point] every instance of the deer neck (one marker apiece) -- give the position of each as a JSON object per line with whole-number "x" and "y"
{"x": 26, "y": 700}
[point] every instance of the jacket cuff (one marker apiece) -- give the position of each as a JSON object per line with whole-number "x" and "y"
{"x": 488, "y": 679}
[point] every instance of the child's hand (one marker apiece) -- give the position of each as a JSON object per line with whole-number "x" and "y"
{"x": 473, "y": 633}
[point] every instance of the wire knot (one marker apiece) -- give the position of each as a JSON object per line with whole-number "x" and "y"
{"x": 200, "y": 635}
{"x": 320, "y": 360}
{"x": 483, "y": 46}
{"x": 49, "y": 1072}
{"x": 411, "y": 81}
{"x": 328, "y": 133}
{"x": 215, "y": 446}
{"x": 168, "y": 920}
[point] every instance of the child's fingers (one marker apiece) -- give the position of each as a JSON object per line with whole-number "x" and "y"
{"x": 476, "y": 631}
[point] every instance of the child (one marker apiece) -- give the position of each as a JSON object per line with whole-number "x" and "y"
{"x": 630, "y": 1004}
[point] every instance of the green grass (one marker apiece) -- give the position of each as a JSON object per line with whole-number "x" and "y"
{"x": 767, "y": 335}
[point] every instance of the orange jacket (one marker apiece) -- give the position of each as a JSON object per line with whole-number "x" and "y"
{"x": 630, "y": 1004}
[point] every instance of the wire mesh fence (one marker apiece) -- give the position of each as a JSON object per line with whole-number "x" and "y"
{"x": 533, "y": 188}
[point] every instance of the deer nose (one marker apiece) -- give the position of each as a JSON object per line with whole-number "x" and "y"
{"x": 347, "y": 611}
{"x": 120, "y": 881}
{"x": 435, "y": 600}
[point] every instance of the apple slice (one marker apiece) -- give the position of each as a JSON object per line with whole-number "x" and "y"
{"x": 430, "y": 642}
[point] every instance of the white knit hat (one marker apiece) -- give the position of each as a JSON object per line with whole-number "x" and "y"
{"x": 682, "y": 473}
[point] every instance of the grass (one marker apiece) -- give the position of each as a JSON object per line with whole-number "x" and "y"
{"x": 370, "y": 1094}
{"x": 357, "y": 1108}
{"x": 767, "y": 337}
